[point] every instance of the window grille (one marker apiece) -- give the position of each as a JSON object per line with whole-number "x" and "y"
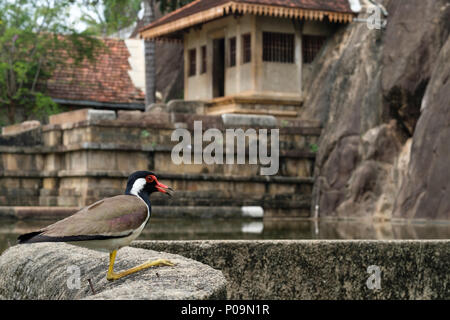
{"x": 192, "y": 62}
{"x": 246, "y": 48}
{"x": 232, "y": 56}
{"x": 203, "y": 69}
{"x": 278, "y": 47}
{"x": 311, "y": 47}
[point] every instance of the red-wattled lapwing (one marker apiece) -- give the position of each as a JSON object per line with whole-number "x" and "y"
{"x": 108, "y": 224}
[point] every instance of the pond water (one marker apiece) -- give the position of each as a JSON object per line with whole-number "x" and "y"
{"x": 214, "y": 229}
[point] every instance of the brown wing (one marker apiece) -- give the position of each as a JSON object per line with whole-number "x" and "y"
{"x": 111, "y": 217}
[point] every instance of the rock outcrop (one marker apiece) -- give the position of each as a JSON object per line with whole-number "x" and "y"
{"x": 50, "y": 271}
{"x": 425, "y": 192}
{"x": 368, "y": 89}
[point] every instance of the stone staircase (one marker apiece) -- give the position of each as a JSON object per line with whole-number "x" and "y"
{"x": 83, "y": 156}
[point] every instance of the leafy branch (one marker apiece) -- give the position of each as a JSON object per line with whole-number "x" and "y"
{"x": 35, "y": 39}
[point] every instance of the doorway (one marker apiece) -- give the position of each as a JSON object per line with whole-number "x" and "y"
{"x": 218, "y": 70}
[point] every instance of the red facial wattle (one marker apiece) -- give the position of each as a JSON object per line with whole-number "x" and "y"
{"x": 158, "y": 185}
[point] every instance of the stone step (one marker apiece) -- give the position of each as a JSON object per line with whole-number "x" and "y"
{"x": 87, "y": 155}
{"x": 292, "y": 161}
{"x": 78, "y": 189}
{"x": 213, "y": 209}
{"x": 163, "y": 212}
{"x": 292, "y": 164}
{"x": 267, "y": 202}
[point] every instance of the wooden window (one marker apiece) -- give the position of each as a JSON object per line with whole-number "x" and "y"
{"x": 232, "y": 52}
{"x": 278, "y": 47}
{"x": 311, "y": 46}
{"x": 192, "y": 62}
{"x": 246, "y": 48}
{"x": 203, "y": 69}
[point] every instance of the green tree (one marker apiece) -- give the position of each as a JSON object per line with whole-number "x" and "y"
{"x": 35, "y": 38}
{"x": 170, "y": 5}
{"x": 109, "y": 16}
{"x": 105, "y": 17}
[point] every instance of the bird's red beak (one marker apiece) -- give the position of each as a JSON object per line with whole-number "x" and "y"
{"x": 163, "y": 188}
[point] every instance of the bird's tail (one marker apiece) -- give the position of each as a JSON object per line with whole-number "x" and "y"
{"x": 29, "y": 237}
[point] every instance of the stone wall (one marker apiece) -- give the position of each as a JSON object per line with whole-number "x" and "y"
{"x": 86, "y": 155}
{"x": 323, "y": 269}
{"x": 263, "y": 269}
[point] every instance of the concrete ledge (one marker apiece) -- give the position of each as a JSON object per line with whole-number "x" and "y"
{"x": 246, "y": 120}
{"x": 156, "y": 108}
{"x": 27, "y": 139}
{"x": 323, "y": 269}
{"x": 302, "y": 154}
{"x": 186, "y": 106}
{"x": 161, "y": 175}
{"x": 38, "y": 212}
{"x": 82, "y": 115}
{"x": 20, "y": 127}
{"x": 40, "y": 271}
{"x": 165, "y": 120}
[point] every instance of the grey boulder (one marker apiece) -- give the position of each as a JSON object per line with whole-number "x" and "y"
{"x": 63, "y": 271}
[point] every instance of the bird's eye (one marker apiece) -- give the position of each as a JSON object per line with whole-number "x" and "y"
{"x": 149, "y": 178}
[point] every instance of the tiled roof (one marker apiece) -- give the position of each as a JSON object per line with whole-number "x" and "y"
{"x": 326, "y": 5}
{"x": 106, "y": 80}
{"x": 338, "y": 6}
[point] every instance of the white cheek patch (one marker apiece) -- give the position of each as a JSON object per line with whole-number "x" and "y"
{"x": 138, "y": 185}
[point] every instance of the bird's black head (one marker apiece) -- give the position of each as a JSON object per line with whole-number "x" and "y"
{"x": 145, "y": 182}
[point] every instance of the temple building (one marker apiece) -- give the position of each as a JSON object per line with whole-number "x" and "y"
{"x": 248, "y": 56}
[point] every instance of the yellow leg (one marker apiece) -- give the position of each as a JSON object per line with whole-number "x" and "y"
{"x": 114, "y": 276}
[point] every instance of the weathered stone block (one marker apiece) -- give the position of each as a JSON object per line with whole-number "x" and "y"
{"x": 82, "y": 115}
{"x": 50, "y": 183}
{"x": 130, "y": 161}
{"x": 32, "y": 184}
{"x": 9, "y": 183}
{"x": 21, "y": 162}
{"x": 76, "y": 135}
{"x": 156, "y": 107}
{"x": 294, "y": 167}
{"x": 20, "y": 127}
{"x": 52, "y": 137}
{"x": 183, "y": 106}
{"x": 76, "y": 160}
{"x": 245, "y": 120}
{"x": 129, "y": 115}
{"x": 68, "y": 201}
{"x": 43, "y": 275}
{"x": 49, "y": 201}
{"x": 52, "y": 162}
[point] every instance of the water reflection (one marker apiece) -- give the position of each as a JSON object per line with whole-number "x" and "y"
{"x": 189, "y": 229}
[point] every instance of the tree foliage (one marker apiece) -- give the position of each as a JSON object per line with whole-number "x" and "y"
{"x": 106, "y": 17}
{"x": 110, "y": 16}
{"x": 35, "y": 38}
{"x": 170, "y": 5}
